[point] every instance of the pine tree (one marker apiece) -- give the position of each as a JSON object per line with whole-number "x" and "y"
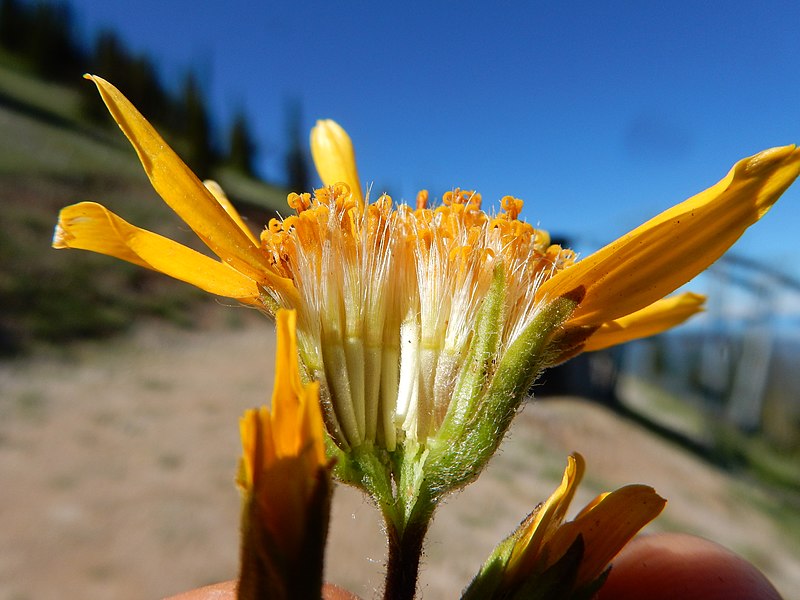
{"x": 108, "y": 59}
{"x": 13, "y": 25}
{"x": 242, "y": 148}
{"x": 49, "y": 45}
{"x": 196, "y": 128}
{"x": 298, "y": 176}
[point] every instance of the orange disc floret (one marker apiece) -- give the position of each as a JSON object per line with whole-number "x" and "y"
{"x": 422, "y": 199}
{"x": 299, "y": 202}
{"x": 511, "y": 207}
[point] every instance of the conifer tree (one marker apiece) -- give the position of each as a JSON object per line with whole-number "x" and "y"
{"x": 50, "y": 45}
{"x": 297, "y": 165}
{"x": 242, "y": 148}
{"x": 196, "y": 128}
{"x": 13, "y": 25}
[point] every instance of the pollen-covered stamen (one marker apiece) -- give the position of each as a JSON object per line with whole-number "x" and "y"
{"x": 399, "y": 371}
{"x": 339, "y": 253}
{"x": 529, "y": 260}
{"x": 511, "y": 206}
{"x": 299, "y": 202}
{"x": 473, "y": 264}
{"x": 377, "y": 244}
{"x": 452, "y": 276}
{"x": 315, "y": 249}
{"x": 422, "y": 199}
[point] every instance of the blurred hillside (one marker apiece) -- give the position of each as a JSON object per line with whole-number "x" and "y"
{"x": 52, "y": 153}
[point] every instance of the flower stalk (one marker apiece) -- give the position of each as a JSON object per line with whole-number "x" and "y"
{"x": 404, "y": 553}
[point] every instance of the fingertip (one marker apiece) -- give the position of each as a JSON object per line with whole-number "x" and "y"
{"x": 669, "y": 566}
{"x": 334, "y": 592}
{"x": 217, "y": 591}
{"x": 227, "y": 591}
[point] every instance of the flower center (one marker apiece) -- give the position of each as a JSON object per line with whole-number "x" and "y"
{"x": 389, "y": 298}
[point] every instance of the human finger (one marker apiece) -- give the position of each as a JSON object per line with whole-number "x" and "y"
{"x": 684, "y": 567}
{"x": 227, "y": 591}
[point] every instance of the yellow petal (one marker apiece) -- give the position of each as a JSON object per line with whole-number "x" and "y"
{"x": 182, "y": 190}
{"x": 291, "y": 432}
{"x": 661, "y": 255}
{"x": 610, "y": 524}
{"x": 658, "y": 317}
{"x": 288, "y": 387}
{"x": 218, "y": 193}
{"x": 90, "y": 226}
{"x": 545, "y": 519}
{"x": 296, "y": 415}
{"x": 334, "y": 156}
{"x": 312, "y": 427}
{"x": 258, "y": 449}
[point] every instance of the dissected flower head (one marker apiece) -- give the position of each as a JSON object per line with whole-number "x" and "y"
{"x": 388, "y": 298}
{"x": 409, "y": 316}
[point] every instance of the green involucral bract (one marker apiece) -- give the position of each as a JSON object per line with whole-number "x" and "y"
{"x": 457, "y": 459}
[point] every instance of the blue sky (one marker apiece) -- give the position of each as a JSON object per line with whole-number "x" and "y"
{"x": 598, "y": 114}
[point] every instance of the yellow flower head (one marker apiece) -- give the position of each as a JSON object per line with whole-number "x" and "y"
{"x": 388, "y": 296}
{"x": 543, "y": 539}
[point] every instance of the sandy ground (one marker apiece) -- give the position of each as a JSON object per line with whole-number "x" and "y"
{"x": 117, "y": 462}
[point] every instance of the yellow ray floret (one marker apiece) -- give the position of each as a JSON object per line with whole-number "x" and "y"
{"x": 651, "y": 320}
{"x": 90, "y": 226}
{"x": 293, "y": 426}
{"x": 285, "y": 480}
{"x": 659, "y": 256}
{"x": 180, "y": 188}
{"x": 283, "y": 447}
{"x": 187, "y": 196}
{"x": 334, "y": 157}
{"x": 605, "y": 525}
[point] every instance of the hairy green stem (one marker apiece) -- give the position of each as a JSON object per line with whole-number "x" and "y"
{"x": 405, "y": 552}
